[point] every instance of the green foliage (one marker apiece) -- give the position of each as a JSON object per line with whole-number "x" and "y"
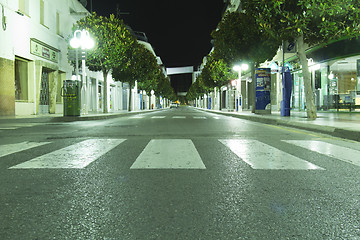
{"x": 140, "y": 66}
{"x": 112, "y": 41}
{"x": 317, "y": 21}
{"x": 117, "y": 50}
{"x": 163, "y": 87}
{"x": 216, "y": 73}
{"x": 239, "y": 38}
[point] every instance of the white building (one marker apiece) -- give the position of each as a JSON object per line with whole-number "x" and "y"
{"x": 34, "y": 59}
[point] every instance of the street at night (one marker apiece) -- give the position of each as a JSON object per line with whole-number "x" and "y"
{"x": 175, "y": 173}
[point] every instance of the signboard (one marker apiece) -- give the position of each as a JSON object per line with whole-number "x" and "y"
{"x": 262, "y": 90}
{"x": 289, "y": 47}
{"x": 43, "y": 50}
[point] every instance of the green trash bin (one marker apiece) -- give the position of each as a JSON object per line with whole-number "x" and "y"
{"x": 71, "y": 92}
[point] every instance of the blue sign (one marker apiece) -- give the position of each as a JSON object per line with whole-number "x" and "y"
{"x": 262, "y": 90}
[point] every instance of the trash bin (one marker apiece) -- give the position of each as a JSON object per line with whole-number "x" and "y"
{"x": 71, "y": 92}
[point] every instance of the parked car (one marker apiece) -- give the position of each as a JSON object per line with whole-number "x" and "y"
{"x": 174, "y": 105}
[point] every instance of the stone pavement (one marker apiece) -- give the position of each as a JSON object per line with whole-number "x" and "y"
{"x": 339, "y": 124}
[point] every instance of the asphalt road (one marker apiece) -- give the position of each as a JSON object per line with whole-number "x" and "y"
{"x": 176, "y": 174}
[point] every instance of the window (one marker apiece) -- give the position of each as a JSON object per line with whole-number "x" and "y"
{"x": 24, "y": 6}
{"x": 42, "y": 12}
{"x": 21, "y": 80}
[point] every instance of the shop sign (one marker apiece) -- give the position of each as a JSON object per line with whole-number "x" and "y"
{"x": 43, "y": 50}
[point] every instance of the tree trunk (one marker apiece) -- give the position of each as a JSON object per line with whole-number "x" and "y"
{"x": 105, "y": 97}
{"x": 130, "y": 98}
{"x": 309, "y": 96}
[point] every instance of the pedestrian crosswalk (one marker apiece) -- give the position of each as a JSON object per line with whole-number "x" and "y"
{"x": 183, "y": 154}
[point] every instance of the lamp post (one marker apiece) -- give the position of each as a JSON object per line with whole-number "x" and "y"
{"x": 81, "y": 40}
{"x": 239, "y": 68}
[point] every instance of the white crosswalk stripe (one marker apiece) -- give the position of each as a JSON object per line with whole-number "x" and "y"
{"x": 262, "y": 156}
{"x": 78, "y": 155}
{"x": 199, "y": 117}
{"x": 18, "y": 147}
{"x": 169, "y": 154}
{"x": 158, "y": 117}
{"x": 179, "y": 117}
{"x": 342, "y": 153}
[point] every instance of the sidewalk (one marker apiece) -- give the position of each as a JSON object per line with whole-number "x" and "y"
{"x": 60, "y": 118}
{"x": 339, "y": 124}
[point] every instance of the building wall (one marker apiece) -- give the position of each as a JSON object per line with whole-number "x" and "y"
{"x": 34, "y": 45}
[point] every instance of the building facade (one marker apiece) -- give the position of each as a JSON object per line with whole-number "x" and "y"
{"x": 33, "y": 54}
{"x": 34, "y": 62}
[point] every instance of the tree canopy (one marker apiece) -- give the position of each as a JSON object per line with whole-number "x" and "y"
{"x": 117, "y": 50}
{"x": 239, "y": 38}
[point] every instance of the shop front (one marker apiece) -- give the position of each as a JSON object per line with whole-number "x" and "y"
{"x": 335, "y": 77}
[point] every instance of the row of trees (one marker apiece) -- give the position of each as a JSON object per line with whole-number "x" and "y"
{"x": 118, "y": 51}
{"x": 255, "y": 34}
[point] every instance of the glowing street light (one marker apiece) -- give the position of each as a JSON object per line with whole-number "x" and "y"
{"x": 81, "y": 40}
{"x": 239, "y": 68}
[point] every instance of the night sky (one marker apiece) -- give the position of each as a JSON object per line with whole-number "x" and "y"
{"x": 179, "y": 31}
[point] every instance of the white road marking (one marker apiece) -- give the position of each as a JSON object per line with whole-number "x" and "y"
{"x": 199, "y": 117}
{"x": 8, "y": 128}
{"x": 78, "y": 155}
{"x": 18, "y": 147}
{"x": 137, "y": 117}
{"x": 179, "y": 117}
{"x": 158, "y": 117}
{"x": 217, "y": 118}
{"x": 342, "y": 153}
{"x": 169, "y": 154}
{"x": 262, "y": 156}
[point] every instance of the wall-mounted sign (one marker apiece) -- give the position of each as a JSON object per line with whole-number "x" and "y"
{"x": 43, "y": 50}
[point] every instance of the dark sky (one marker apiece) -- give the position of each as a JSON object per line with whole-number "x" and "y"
{"x": 179, "y": 31}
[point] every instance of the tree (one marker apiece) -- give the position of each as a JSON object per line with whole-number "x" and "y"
{"x": 141, "y": 66}
{"x": 217, "y": 73}
{"x": 112, "y": 41}
{"x": 239, "y": 38}
{"x": 307, "y": 22}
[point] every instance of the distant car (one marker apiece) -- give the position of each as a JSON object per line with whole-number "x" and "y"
{"x": 174, "y": 105}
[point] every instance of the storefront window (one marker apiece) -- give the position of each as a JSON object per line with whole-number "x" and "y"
{"x": 343, "y": 79}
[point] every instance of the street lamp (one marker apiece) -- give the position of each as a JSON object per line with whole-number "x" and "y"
{"x": 81, "y": 40}
{"x": 239, "y": 68}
